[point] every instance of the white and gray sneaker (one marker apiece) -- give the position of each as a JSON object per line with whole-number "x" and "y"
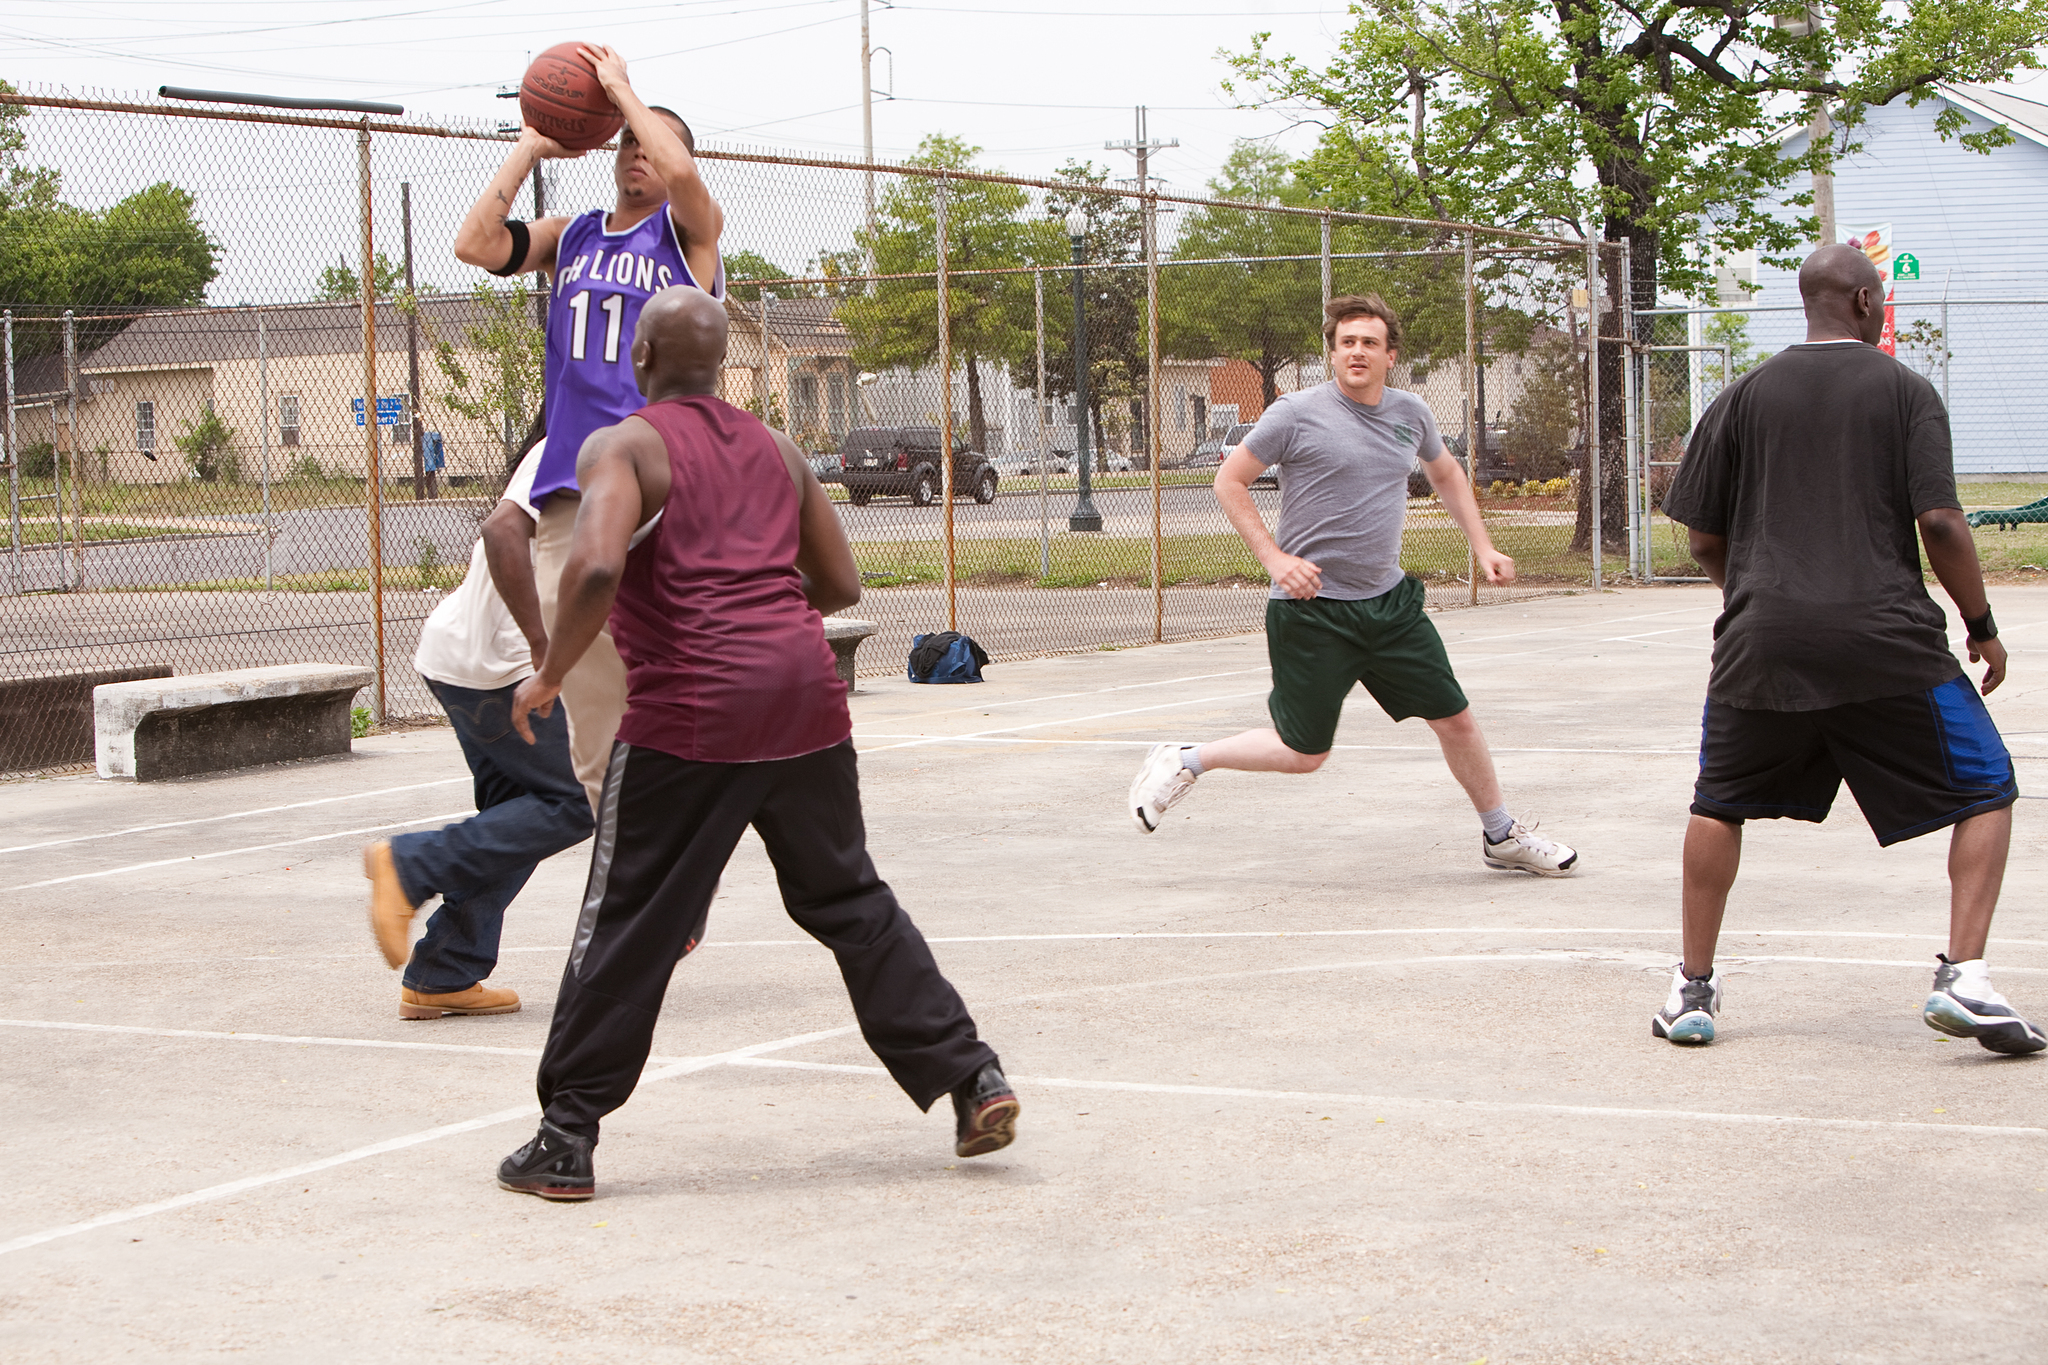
{"x": 1524, "y": 850}
{"x": 1160, "y": 784}
{"x": 1964, "y": 1005}
{"x": 1688, "y": 1013}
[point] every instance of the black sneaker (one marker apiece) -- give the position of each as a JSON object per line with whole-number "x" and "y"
{"x": 555, "y": 1165}
{"x": 984, "y": 1114}
{"x": 1963, "y": 1005}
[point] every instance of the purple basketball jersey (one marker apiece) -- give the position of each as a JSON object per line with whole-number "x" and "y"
{"x": 601, "y": 280}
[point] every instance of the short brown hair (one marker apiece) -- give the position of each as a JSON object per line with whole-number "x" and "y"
{"x": 1349, "y": 306}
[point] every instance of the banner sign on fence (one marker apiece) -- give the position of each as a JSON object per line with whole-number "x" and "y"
{"x": 390, "y": 411}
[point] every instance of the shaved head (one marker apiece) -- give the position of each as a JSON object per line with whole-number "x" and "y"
{"x": 679, "y": 343}
{"x": 1844, "y": 295}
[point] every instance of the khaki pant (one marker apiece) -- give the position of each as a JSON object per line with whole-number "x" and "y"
{"x": 595, "y": 689}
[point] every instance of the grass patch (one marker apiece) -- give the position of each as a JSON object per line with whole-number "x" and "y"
{"x": 191, "y": 498}
{"x": 397, "y": 578}
{"x": 1980, "y": 495}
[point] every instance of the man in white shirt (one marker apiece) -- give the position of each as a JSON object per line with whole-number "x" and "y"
{"x": 474, "y": 651}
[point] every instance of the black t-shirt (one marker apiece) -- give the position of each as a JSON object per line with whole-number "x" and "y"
{"x": 1814, "y": 466}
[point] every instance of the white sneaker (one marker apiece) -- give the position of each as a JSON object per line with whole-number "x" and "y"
{"x": 1160, "y": 784}
{"x": 1964, "y": 1004}
{"x": 1688, "y": 1013}
{"x": 1524, "y": 850}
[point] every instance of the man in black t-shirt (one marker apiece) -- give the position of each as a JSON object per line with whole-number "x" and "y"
{"x": 1802, "y": 489}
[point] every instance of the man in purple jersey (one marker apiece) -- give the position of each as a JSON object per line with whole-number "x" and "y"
{"x": 662, "y": 231}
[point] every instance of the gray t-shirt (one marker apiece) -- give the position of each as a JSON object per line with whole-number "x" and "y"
{"x": 1344, "y": 482}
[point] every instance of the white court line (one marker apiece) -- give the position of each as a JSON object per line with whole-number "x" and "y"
{"x": 235, "y": 1187}
{"x": 1114, "y": 935}
{"x": 236, "y": 815}
{"x": 231, "y": 852}
{"x": 992, "y": 738}
{"x": 1462, "y": 1106}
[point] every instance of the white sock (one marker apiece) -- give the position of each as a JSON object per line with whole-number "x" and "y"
{"x": 1497, "y": 823}
{"x": 1191, "y": 758}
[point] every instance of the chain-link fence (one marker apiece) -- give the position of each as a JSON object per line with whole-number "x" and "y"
{"x": 1981, "y": 354}
{"x": 220, "y": 453}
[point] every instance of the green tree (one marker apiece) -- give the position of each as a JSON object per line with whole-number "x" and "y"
{"x": 744, "y": 267}
{"x": 208, "y": 447}
{"x": 146, "y": 250}
{"x": 340, "y": 284}
{"x": 1267, "y": 312}
{"x": 504, "y": 391}
{"x": 897, "y": 323}
{"x": 1655, "y": 125}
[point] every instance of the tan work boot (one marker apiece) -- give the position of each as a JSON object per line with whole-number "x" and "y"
{"x": 390, "y": 911}
{"x": 478, "y": 999}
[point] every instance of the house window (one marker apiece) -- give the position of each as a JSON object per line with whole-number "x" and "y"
{"x": 401, "y": 430}
{"x": 807, "y": 401}
{"x": 835, "y": 391}
{"x": 145, "y": 426}
{"x": 288, "y": 419}
{"x": 1180, "y": 408}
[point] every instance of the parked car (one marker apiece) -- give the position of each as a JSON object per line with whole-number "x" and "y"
{"x": 826, "y": 465}
{"x": 1055, "y": 462}
{"x": 904, "y": 461}
{"x": 1217, "y": 449}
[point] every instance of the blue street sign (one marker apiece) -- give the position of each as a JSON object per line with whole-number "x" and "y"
{"x": 390, "y": 411}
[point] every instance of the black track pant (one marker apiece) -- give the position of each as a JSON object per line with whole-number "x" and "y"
{"x": 665, "y": 829}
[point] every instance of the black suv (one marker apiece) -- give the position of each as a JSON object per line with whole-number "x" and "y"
{"x": 896, "y": 460}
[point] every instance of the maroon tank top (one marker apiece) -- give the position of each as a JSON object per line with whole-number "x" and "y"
{"x": 725, "y": 660}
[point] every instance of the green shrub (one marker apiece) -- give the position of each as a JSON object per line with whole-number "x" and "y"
{"x": 359, "y": 720}
{"x": 207, "y": 446}
{"x": 428, "y": 561}
{"x": 305, "y": 468}
{"x": 38, "y": 459}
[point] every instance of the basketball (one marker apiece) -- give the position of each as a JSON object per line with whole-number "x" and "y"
{"x": 561, "y": 98}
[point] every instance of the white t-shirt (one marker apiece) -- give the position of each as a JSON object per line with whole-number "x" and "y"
{"x": 471, "y": 640}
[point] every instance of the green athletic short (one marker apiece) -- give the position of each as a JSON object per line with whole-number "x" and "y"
{"x": 1319, "y": 648}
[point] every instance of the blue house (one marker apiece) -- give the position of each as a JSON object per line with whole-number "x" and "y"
{"x": 1975, "y": 321}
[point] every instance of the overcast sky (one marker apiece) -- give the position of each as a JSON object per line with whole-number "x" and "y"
{"x": 1033, "y": 81}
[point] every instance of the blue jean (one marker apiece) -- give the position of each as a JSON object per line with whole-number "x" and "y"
{"x": 530, "y": 806}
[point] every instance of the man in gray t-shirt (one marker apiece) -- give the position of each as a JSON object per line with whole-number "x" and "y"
{"x": 1341, "y": 610}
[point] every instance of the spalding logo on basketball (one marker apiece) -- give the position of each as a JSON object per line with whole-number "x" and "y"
{"x": 561, "y": 98}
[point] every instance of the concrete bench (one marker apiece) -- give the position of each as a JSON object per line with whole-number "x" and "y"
{"x": 207, "y": 722}
{"x": 844, "y": 634}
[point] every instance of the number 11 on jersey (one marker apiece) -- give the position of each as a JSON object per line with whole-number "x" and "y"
{"x": 614, "y": 305}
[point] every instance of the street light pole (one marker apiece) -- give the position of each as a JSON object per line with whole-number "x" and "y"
{"x": 1084, "y": 517}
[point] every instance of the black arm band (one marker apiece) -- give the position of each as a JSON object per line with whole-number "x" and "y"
{"x": 1981, "y": 627}
{"x": 522, "y": 242}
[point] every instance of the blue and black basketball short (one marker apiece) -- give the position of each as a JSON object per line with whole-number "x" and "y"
{"x": 1915, "y": 763}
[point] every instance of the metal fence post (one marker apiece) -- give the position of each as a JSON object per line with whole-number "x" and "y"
{"x": 1152, "y": 413}
{"x": 77, "y": 574}
{"x": 945, "y": 397}
{"x": 1632, "y": 470}
{"x": 1592, "y": 469}
{"x": 13, "y": 461}
{"x": 1044, "y": 434}
{"x": 263, "y": 403}
{"x": 412, "y": 352}
{"x": 1471, "y": 432}
{"x": 1329, "y": 278}
{"x": 373, "y": 465}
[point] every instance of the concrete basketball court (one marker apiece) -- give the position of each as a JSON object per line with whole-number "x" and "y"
{"x": 1302, "y": 1080}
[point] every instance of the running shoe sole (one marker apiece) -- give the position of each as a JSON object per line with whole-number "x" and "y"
{"x": 407, "y": 1010}
{"x": 993, "y": 1127}
{"x": 1997, "y": 1032}
{"x": 1691, "y": 1028}
{"x": 561, "y": 1194}
{"x": 1563, "y": 869}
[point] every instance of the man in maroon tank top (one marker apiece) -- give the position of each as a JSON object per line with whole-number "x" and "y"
{"x": 734, "y": 717}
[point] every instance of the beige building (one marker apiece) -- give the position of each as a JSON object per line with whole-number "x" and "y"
{"x": 286, "y": 380}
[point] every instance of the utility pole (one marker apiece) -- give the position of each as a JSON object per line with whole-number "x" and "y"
{"x": 867, "y": 110}
{"x": 1819, "y": 129}
{"x": 1142, "y": 147}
